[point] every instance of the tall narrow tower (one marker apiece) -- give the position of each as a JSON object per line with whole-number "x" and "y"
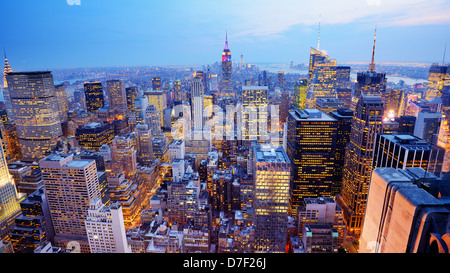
{"x": 227, "y": 84}
{"x": 372, "y": 64}
{"x": 367, "y": 122}
{"x": 371, "y": 82}
{"x": 7, "y": 69}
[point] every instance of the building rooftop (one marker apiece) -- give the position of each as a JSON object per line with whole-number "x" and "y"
{"x": 267, "y": 153}
{"x": 310, "y": 115}
{"x": 408, "y": 141}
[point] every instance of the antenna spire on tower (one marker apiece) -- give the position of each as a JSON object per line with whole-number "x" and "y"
{"x": 372, "y": 64}
{"x": 226, "y": 39}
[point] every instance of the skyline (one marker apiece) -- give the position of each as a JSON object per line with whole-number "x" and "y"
{"x": 112, "y": 33}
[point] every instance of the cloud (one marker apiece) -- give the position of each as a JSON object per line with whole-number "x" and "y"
{"x": 271, "y": 18}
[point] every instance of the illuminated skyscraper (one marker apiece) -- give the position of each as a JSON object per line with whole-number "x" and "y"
{"x": 153, "y": 119}
{"x": 94, "y": 135}
{"x": 140, "y": 105}
{"x": 311, "y": 146}
{"x": 7, "y": 69}
{"x": 132, "y": 94}
{"x": 117, "y": 98}
{"x": 156, "y": 83}
{"x": 254, "y": 114}
{"x": 316, "y": 56}
{"x": 271, "y": 172}
{"x": 9, "y": 201}
{"x": 323, "y": 80}
{"x": 34, "y": 226}
{"x": 436, "y": 79}
{"x": 300, "y": 90}
{"x": 367, "y": 122}
{"x": 63, "y": 103}
{"x": 371, "y": 82}
{"x": 124, "y": 152}
{"x": 70, "y": 186}
{"x": 227, "y": 83}
{"x": 144, "y": 145}
{"x": 36, "y": 113}
{"x": 178, "y": 91}
{"x": 93, "y": 92}
{"x": 159, "y": 100}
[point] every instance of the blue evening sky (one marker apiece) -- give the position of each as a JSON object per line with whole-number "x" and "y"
{"x": 51, "y": 34}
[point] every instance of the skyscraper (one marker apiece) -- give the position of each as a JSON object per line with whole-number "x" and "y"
{"x": 197, "y": 89}
{"x": 124, "y": 152}
{"x": 159, "y": 100}
{"x": 427, "y": 125}
{"x": 132, "y": 93}
{"x": 311, "y": 146}
{"x": 36, "y": 113}
{"x": 371, "y": 82}
{"x": 7, "y": 69}
{"x": 93, "y": 92}
{"x": 156, "y": 83}
{"x": 436, "y": 80}
{"x": 34, "y": 226}
{"x": 367, "y": 122}
{"x": 9, "y": 201}
{"x": 271, "y": 168}
{"x": 227, "y": 83}
{"x": 300, "y": 89}
{"x": 401, "y": 151}
{"x": 95, "y": 134}
{"x": 70, "y": 185}
{"x": 254, "y": 112}
{"x": 321, "y": 77}
{"x": 63, "y": 103}
{"x": 144, "y": 145}
{"x": 117, "y": 98}
{"x": 344, "y": 119}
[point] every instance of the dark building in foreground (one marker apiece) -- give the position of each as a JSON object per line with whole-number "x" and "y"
{"x": 367, "y": 122}
{"x": 407, "y": 212}
{"x": 311, "y": 146}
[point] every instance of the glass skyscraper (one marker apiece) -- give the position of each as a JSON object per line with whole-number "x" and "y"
{"x": 93, "y": 93}
{"x": 367, "y": 122}
{"x": 271, "y": 173}
{"x": 9, "y": 202}
{"x": 311, "y": 145}
{"x": 36, "y": 113}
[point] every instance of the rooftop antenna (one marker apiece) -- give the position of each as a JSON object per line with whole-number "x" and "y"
{"x": 372, "y": 64}
{"x": 226, "y": 39}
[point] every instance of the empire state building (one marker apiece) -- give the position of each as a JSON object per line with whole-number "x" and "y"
{"x": 227, "y": 84}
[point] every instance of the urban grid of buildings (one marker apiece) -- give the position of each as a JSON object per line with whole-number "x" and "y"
{"x": 227, "y": 159}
